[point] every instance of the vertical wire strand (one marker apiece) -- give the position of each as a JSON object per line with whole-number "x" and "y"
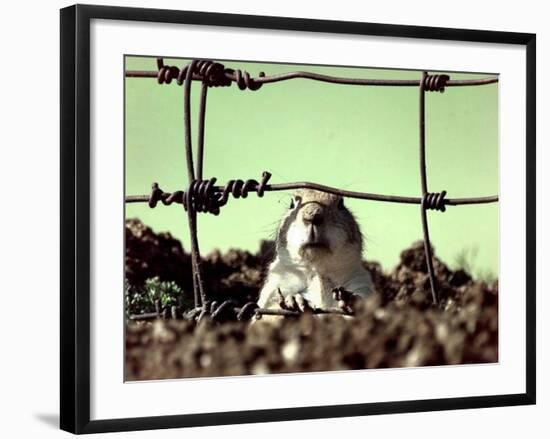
{"x": 424, "y": 186}
{"x": 202, "y": 119}
{"x": 187, "y": 120}
{"x": 198, "y": 289}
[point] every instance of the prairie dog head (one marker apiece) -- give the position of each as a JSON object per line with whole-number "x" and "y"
{"x": 319, "y": 230}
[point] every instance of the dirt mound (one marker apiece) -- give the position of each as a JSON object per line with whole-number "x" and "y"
{"x": 149, "y": 254}
{"x": 236, "y": 274}
{"x": 381, "y": 336}
{"x": 397, "y": 327}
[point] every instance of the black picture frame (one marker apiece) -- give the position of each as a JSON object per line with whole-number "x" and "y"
{"x": 75, "y": 217}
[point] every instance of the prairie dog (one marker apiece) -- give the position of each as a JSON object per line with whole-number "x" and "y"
{"x": 318, "y": 248}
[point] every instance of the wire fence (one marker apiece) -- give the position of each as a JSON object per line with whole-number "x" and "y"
{"x": 204, "y": 195}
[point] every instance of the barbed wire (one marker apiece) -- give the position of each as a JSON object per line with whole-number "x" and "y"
{"x": 203, "y": 195}
{"x": 434, "y": 201}
{"x": 225, "y": 76}
{"x": 228, "y": 310}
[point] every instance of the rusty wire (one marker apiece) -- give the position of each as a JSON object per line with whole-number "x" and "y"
{"x": 205, "y": 196}
{"x": 228, "y": 310}
{"x": 198, "y": 286}
{"x": 427, "y": 199}
{"x": 434, "y": 201}
{"x": 238, "y": 77}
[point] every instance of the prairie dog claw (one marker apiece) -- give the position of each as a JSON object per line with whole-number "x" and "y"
{"x": 294, "y": 302}
{"x": 345, "y": 299}
{"x": 303, "y": 304}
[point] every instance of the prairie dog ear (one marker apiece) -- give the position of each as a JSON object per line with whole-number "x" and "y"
{"x": 295, "y": 201}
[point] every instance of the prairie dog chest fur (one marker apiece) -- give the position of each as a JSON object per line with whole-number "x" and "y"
{"x": 318, "y": 248}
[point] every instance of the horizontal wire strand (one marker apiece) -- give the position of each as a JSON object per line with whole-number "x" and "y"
{"x": 329, "y": 79}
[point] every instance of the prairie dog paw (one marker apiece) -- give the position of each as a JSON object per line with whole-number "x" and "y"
{"x": 347, "y": 301}
{"x": 294, "y": 302}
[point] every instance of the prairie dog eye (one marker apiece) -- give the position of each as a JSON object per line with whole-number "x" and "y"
{"x": 341, "y": 203}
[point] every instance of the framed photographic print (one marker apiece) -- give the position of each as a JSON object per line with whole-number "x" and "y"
{"x": 272, "y": 218}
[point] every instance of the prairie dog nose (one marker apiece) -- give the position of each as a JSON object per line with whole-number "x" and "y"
{"x": 313, "y": 214}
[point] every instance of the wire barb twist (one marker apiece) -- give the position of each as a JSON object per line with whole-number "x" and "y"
{"x": 434, "y": 201}
{"x": 205, "y": 196}
{"x": 244, "y": 80}
{"x": 436, "y": 82}
{"x": 213, "y": 74}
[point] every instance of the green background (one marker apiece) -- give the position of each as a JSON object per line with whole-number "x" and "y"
{"x": 359, "y": 138}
